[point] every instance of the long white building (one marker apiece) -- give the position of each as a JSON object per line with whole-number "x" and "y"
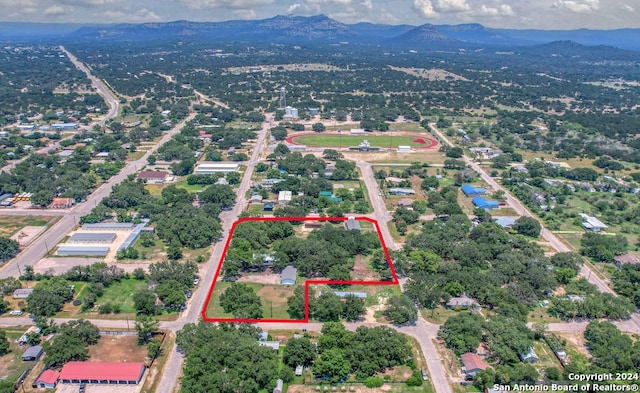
{"x": 210, "y": 167}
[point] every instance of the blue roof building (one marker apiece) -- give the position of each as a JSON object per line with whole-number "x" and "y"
{"x": 468, "y": 190}
{"x": 485, "y": 204}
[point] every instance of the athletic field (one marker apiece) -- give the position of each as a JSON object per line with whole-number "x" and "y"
{"x": 378, "y": 140}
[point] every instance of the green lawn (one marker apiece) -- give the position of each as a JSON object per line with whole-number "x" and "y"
{"x": 11, "y": 363}
{"x": 352, "y": 140}
{"x": 122, "y": 293}
{"x": 9, "y": 225}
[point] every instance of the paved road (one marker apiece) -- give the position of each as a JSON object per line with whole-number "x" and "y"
{"x": 100, "y": 86}
{"x": 380, "y": 212}
{"x": 173, "y": 369}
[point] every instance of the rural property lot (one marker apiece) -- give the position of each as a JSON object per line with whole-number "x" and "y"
{"x": 277, "y": 294}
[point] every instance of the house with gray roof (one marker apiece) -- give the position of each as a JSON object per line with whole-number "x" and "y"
{"x": 288, "y": 276}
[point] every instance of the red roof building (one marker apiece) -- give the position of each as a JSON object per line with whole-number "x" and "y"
{"x": 62, "y": 203}
{"x": 102, "y": 373}
{"x": 153, "y": 176}
{"x": 48, "y": 379}
{"x": 472, "y": 363}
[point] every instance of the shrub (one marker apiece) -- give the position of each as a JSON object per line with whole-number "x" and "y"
{"x": 105, "y": 308}
{"x": 374, "y": 382}
{"x": 416, "y": 379}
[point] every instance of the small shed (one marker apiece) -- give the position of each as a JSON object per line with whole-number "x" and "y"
{"x": 278, "y": 388}
{"x": 299, "y": 369}
{"x": 32, "y": 353}
{"x": 288, "y": 276}
{"x": 268, "y": 207}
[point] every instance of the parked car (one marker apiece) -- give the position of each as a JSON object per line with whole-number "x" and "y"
{"x": 196, "y": 281}
{"x": 189, "y": 294}
{"x": 425, "y": 377}
{"x": 16, "y": 312}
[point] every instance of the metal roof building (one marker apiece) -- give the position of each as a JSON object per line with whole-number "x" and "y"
{"x": 591, "y": 223}
{"x": 209, "y": 168}
{"x": 32, "y": 353}
{"x": 99, "y": 237}
{"x": 133, "y": 236}
{"x": 86, "y": 251}
{"x": 468, "y": 189}
{"x": 114, "y": 226}
{"x": 359, "y": 295}
{"x": 401, "y": 191}
{"x": 22, "y": 293}
{"x": 105, "y": 373}
{"x": 485, "y": 204}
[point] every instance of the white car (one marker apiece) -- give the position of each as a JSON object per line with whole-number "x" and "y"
{"x": 16, "y": 312}
{"x": 196, "y": 281}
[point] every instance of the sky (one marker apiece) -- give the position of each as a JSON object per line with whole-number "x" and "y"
{"x": 519, "y": 14}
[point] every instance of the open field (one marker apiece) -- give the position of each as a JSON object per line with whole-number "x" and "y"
{"x": 11, "y": 364}
{"x": 122, "y": 293}
{"x": 10, "y": 225}
{"x": 377, "y": 140}
{"x": 118, "y": 348}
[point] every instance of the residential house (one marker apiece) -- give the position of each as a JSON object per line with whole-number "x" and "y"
{"x": 405, "y": 202}
{"x": 401, "y": 191}
{"x": 22, "y": 293}
{"x": 275, "y": 345}
{"x": 32, "y": 353}
{"x": 472, "y": 364}
{"x": 62, "y": 203}
{"x": 288, "y": 276}
{"x": 284, "y": 197}
{"x": 153, "y": 177}
{"x": 505, "y": 222}
{"x": 469, "y": 190}
{"x": 462, "y": 302}
{"x": 352, "y": 224}
{"x": 484, "y": 203}
{"x": 48, "y": 379}
{"x": 268, "y": 207}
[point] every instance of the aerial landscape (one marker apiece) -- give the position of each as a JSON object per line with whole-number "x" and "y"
{"x": 256, "y": 196}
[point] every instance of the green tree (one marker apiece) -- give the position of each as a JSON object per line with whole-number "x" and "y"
{"x": 242, "y": 301}
{"x": 332, "y": 364}
{"x": 527, "y": 226}
{"x": 145, "y": 326}
{"x": 332, "y": 154}
{"x": 300, "y": 351}
{"x": 144, "y": 301}
{"x": 327, "y": 307}
{"x": 171, "y": 292}
{"x": 400, "y": 310}
{"x": 462, "y": 332}
{"x": 318, "y": 127}
{"x": 353, "y": 308}
{"x": 81, "y": 329}
{"x": 49, "y": 296}
{"x": 4, "y": 343}
{"x": 8, "y": 248}
{"x": 62, "y": 349}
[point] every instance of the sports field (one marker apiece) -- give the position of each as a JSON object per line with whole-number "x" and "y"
{"x": 379, "y": 140}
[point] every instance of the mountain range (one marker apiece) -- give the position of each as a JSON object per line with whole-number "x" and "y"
{"x": 322, "y": 29}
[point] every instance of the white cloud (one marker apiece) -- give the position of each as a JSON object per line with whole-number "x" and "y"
{"x": 445, "y": 6}
{"x": 58, "y": 10}
{"x": 248, "y": 13}
{"x": 293, "y": 7}
{"x": 500, "y": 10}
{"x": 88, "y": 3}
{"x": 232, "y": 4}
{"x": 367, "y": 4}
{"x": 425, "y": 8}
{"x": 629, "y": 8}
{"x": 577, "y": 6}
{"x": 142, "y": 15}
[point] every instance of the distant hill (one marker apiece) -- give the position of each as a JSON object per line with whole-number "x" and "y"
{"x": 324, "y": 30}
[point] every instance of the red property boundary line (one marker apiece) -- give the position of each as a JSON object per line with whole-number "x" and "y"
{"x": 308, "y": 282}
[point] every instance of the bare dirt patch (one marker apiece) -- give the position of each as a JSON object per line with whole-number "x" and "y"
{"x": 576, "y": 341}
{"x": 361, "y": 271}
{"x": 117, "y": 348}
{"x": 27, "y": 234}
{"x": 261, "y": 278}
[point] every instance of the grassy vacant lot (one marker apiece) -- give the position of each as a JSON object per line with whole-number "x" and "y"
{"x": 122, "y": 293}
{"x": 9, "y": 225}
{"x": 274, "y": 300}
{"x": 352, "y": 140}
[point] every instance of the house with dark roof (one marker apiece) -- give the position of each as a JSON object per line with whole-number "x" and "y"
{"x": 268, "y": 207}
{"x": 47, "y": 380}
{"x": 103, "y": 373}
{"x": 472, "y": 364}
{"x": 288, "y": 276}
{"x": 32, "y": 353}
